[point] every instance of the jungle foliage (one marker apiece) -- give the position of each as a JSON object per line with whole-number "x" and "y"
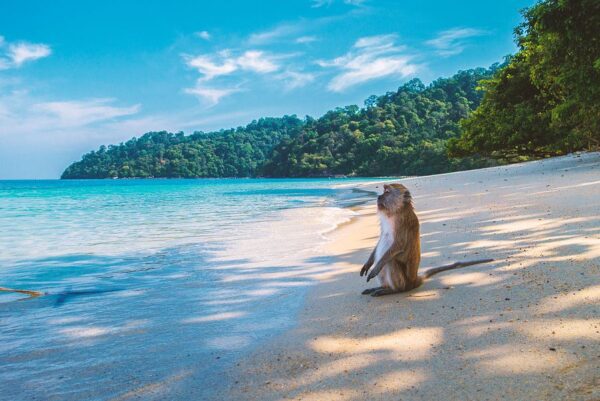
{"x": 546, "y": 100}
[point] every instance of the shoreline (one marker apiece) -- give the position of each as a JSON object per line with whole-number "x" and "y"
{"x": 516, "y": 341}
{"x": 220, "y": 298}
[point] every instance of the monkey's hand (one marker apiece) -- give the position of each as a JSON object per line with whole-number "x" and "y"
{"x": 376, "y": 270}
{"x": 368, "y": 264}
{"x": 364, "y": 269}
{"x": 386, "y": 258}
{"x": 373, "y": 274}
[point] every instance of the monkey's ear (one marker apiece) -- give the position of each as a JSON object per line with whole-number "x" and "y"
{"x": 386, "y": 186}
{"x": 407, "y": 196}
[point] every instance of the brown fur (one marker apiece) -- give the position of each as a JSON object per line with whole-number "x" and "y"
{"x": 404, "y": 255}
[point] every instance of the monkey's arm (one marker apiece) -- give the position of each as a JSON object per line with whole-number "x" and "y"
{"x": 385, "y": 259}
{"x": 368, "y": 263}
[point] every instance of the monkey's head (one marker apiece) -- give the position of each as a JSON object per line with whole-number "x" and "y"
{"x": 394, "y": 198}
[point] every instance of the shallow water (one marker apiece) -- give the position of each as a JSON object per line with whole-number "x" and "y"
{"x": 152, "y": 287}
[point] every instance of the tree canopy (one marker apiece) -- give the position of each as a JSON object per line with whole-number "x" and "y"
{"x": 546, "y": 100}
{"x": 400, "y": 133}
{"x": 227, "y": 153}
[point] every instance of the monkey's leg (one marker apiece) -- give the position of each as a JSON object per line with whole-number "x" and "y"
{"x": 370, "y": 290}
{"x": 384, "y": 291}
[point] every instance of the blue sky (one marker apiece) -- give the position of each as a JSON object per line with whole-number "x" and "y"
{"x": 78, "y": 74}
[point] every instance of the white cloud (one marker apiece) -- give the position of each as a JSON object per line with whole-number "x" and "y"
{"x": 306, "y": 39}
{"x": 18, "y": 109}
{"x": 376, "y": 42}
{"x": 83, "y": 112}
{"x": 22, "y": 52}
{"x": 295, "y": 79}
{"x": 226, "y": 72}
{"x": 257, "y": 61}
{"x": 211, "y": 96}
{"x": 362, "y": 70}
{"x": 450, "y": 42}
{"x": 223, "y": 63}
{"x": 23, "y": 114}
{"x": 302, "y": 27}
{"x": 322, "y": 3}
{"x": 371, "y": 57}
{"x": 282, "y": 30}
{"x": 203, "y": 35}
{"x": 14, "y": 55}
{"x": 209, "y": 68}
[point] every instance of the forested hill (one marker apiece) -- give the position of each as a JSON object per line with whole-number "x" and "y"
{"x": 402, "y": 132}
{"x": 239, "y": 152}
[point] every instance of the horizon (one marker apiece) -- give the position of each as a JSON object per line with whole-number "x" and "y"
{"x": 77, "y": 76}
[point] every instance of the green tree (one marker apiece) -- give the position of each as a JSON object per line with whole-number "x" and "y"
{"x": 547, "y": 98}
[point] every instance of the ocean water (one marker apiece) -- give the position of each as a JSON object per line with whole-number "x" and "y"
{"x": 153, "y": 288}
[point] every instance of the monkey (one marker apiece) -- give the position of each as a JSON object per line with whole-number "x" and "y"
{"x": 397, "y": 255}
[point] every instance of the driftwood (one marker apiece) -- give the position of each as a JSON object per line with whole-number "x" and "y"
{"x": 31, "y": 294}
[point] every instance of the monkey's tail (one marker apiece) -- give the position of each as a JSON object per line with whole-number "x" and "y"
{"x": 453, "y": 266}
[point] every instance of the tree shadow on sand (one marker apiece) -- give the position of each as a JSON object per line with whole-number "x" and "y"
{"x": 523, "y": 327}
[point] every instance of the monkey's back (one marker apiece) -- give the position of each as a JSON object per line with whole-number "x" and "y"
{"x": 405, "y": 265}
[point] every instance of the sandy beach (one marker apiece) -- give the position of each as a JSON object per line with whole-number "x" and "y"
{"x": 524, "y": 327}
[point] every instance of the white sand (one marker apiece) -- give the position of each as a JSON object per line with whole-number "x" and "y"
{"x": 525, "y": 327}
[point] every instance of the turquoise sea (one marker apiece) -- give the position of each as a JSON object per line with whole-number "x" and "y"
{"x": 154, "y": 288}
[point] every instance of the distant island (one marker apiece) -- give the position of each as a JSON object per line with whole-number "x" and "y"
{"x": 400, "y": 132}
{"x": 544, "y": 100}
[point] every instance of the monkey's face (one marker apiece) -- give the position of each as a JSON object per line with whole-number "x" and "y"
{"x": 393, "y": 198}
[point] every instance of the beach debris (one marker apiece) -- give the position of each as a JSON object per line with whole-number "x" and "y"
{"x": 61, "y": 297}
{"x": 32, "y": 294}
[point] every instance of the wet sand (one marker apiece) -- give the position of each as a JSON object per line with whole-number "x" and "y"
{"x": 524, "y": 327}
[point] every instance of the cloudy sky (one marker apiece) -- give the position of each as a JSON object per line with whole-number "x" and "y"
{"x": 77, "y": 74}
